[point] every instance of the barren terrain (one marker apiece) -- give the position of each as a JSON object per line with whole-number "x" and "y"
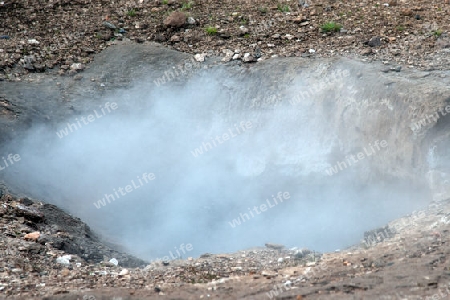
{"x": 45, "y": 253}
{"x": 36, "y": 36}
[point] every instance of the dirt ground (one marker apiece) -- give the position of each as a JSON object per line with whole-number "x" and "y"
{"x": 37, "y": 36}
{"x": 406, "y": 259}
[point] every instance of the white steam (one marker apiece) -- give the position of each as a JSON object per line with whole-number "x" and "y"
{"x": 192, "y": 200}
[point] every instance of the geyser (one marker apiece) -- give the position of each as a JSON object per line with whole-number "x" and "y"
{"x": 223, "y": 142}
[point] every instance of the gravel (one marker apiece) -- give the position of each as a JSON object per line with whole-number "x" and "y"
{"x": 37, "y": 36}
{"x": 414, "y": 247}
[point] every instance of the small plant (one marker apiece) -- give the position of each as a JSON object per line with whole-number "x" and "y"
{"x": 283, "y": 8}
{"x": 186, "y": 6}
{"x": 211, "y": 30}
{"x": 165, "y": 2}
{"x": 331, "y": 27}
{"x": 131, "y": 13}
{"x": 247, "y": 35}
{"x": 438, "y": 32}
{"x": 400, "y": 28}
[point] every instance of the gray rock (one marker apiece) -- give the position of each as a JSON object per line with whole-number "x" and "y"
{"x": 35, "y": 248}
{"x": 302, "y": 3}
{"x": 175, "y": 38}
{"x": 366, "y": 51}
{"x": 64, "y": 260}
{"x": 225, "y": 35}
{"x": 33, "y": 42}
{"x": 25, "y": 201}
{"x": 43, "y": 239}
{"x": 302, "y": 253}
{"x": 374, "y": 42}
{"x": 257, "y": 53}
{"x": 88, "y": 50}
{"x": 28, "y": 62}
{"x": 200, "y": 57}
{"x": 124, "y": 272}
{"x": 106, "y": 35}
{"x": 77, "y": 66}
{"x": 248, "y": 58}
{"x": 160, "y": 38}
{"x": 191, "y": 21}
{"x": 109, "y": 25}
{"x": 244, "y": 30}
{"x": 29, "y": 213}
{"x": 274, "y": 246}
{"x": 114, "y": 261}
{"x": 39, "y": 67}
{"x": 228, "y": 55}
{"x": 392, "y": 69}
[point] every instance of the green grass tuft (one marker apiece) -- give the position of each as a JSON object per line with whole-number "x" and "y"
{"x": 438, "y": 32}
{"x": 131, "y": 13}
{"x": 211, "y": 30}
{"x": 331, "y": 27}
{"x": 284, "y": 8}
{"x": 187, "y": 5}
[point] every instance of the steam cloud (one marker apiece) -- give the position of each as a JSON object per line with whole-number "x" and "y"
{"x": 192, "y": 198}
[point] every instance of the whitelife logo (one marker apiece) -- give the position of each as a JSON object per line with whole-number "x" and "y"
{"x": 435, "y": 117}
{"x": 206, "y": 146}
{"x": 124, "y": 191}
{"x": 263, "y": 207}
{"x": 342, "y": 165}
{"x": 11, "y": 159}
{"x": 71, "y": 127}
{"x": 334, "y": 78}
{"x": 183, "y": 248}
{"x": 184, "y": 68}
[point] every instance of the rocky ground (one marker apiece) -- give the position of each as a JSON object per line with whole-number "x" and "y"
{"x": 63, "y": 35}
{"x": 47, "y": 254}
